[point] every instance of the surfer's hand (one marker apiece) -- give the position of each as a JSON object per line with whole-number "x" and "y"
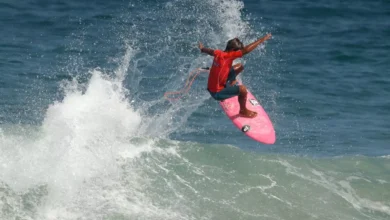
{"x": 268, "y": 36}
{"x": 201, "y": 46}
{"x": 206, "y": 50}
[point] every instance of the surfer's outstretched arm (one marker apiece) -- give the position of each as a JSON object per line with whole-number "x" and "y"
{"x": 248, "y": 48}
{"x": 206, "y": 50}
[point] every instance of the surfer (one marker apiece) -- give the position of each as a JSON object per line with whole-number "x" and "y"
{"x": 222, "y": 82}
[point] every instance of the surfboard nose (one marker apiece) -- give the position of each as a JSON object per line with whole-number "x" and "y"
{"x": 265, "y": 138}
{"x": 271, "y": 138}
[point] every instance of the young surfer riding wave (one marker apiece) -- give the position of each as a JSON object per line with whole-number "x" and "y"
{"x": 222, "y": 82}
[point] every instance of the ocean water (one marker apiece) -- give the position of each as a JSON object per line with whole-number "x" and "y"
{"x": 85, "y": 132}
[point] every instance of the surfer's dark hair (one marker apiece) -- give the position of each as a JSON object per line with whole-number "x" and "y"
{"x": 234, "y": 44}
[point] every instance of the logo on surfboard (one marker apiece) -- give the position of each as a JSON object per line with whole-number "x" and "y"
{"x": 245, "y": 128}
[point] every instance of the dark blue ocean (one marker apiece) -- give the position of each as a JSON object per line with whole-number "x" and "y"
{"x": 86, "y": 133}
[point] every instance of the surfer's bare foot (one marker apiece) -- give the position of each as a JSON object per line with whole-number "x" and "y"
{"x": 247, "y": 113}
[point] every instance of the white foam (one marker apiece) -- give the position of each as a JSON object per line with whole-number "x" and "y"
{"x": 386, "y": 156}
{"x": 80, "y": 139}
{"x": 229, "y": 18}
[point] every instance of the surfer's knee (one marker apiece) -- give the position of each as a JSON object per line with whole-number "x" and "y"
{"x": 238, "y": 68}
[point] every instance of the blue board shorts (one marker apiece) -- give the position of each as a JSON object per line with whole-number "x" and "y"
{"x": 229, "y": 90}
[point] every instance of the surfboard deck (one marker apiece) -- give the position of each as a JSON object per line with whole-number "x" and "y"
{"x": 259, "y": 128}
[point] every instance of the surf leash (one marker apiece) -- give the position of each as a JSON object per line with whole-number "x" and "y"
{"x": 176, "y": 95}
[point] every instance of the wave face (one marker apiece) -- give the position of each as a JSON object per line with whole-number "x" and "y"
{"x": 158, "y": 179}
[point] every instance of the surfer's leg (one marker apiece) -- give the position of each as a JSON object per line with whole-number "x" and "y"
{"x": 234, "y": 71}
{"x": 244, "y": 112}
{"x": 238, "y": 68}
{"x": 231, "y": 80}
{"x": 227, "y": 92}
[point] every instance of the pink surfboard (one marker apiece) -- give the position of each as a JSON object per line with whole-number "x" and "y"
{"x": 259, "y": 128}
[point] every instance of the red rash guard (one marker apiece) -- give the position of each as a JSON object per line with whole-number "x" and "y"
{"x": 219, "y": 71}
